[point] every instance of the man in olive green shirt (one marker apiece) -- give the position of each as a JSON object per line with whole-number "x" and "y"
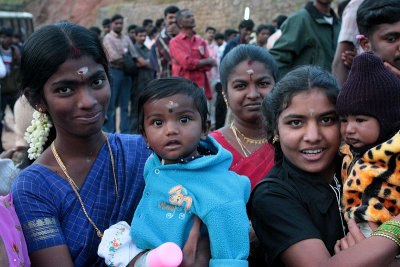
{"x": 309, "y": 37}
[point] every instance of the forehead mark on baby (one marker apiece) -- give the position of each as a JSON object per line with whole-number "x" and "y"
{"x": 170, "y": 105}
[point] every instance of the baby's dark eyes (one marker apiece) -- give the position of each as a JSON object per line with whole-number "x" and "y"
{"x": 157, "y": 122}
{"x": 184, "y": 120}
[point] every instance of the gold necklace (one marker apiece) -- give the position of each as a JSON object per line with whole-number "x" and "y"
{"x": 248, "y": 139}
{"x": 245, "y": 150}
{"x": 75, "y": 187}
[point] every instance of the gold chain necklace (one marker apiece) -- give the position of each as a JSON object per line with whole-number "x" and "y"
{"x": 75, "y": 187}
{"x": 248, "y": 139}
{"x": 245, "y": 150}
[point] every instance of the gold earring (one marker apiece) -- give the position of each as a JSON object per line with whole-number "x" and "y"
{"x": 225, "y": 100}
{"x": 275, "y": 139}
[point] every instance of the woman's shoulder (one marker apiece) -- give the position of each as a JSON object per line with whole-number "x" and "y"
{"x": 132, "y": 143}
{"x": 219, "y": 136}
{"x": 277, "y": 180}
{"x": 35, "y": 173}
{"x": 36, "y": 177}
{"x": 130, "y": 148}
{"x": 37, "y": 186}
{"x": 126, "y": 139}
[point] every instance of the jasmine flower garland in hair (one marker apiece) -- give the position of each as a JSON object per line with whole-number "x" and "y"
{"x": 36, "y": 134}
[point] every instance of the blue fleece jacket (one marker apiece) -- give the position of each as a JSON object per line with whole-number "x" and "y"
{"x": 174, "y": 193}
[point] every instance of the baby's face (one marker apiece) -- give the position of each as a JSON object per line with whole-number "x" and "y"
{"x": 359, "y": 130}
{"x": 172, "y": 127}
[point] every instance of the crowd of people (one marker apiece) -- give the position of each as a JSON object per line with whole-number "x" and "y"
{"x": 278, "y": 147}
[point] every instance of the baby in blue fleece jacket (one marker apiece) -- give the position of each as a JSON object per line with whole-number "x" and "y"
{"x": 188, "y": 175}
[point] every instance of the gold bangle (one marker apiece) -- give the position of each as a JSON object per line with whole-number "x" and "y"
{"x": 383, "y": 234}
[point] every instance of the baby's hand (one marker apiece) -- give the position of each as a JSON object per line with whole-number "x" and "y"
{"x": 117, "y": 247}
{"x": 353, "y": 236}
{"x": 347, "y": 57}
{"x": 392, "y": 69}
{"x": 373, "y": 226}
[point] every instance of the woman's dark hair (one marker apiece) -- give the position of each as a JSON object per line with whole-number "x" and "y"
{"x": 302, "y": 79}
{"x": 245, "y": 52}
{"x": 164, "y": 87}
{"x": 48, "y": 48}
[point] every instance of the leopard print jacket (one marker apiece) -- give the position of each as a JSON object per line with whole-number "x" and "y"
{"x": 371, "y": 184}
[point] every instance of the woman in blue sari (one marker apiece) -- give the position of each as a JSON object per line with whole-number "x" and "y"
{"x": 86, "y": 180}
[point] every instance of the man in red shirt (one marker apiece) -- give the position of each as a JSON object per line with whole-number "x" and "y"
{"x": 189, "y": 54}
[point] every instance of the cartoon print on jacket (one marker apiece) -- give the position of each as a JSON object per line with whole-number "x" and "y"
{"x": 178, "y": 195}
{"x": 177, "y": 198}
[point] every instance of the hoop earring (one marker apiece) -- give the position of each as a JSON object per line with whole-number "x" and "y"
{"x": 225, "y": 99}
{"x": 275, "y": 139}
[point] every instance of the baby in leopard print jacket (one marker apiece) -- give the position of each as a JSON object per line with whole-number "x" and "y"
{"x": 369, "y": 110}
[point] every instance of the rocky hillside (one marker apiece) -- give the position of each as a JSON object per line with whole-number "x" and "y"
{"x": 219, "y": 13}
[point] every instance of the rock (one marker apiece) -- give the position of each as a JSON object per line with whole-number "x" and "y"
{"x": 221, "y": 14}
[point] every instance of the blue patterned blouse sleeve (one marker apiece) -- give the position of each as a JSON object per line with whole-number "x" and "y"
{"x": 39, "y": 219}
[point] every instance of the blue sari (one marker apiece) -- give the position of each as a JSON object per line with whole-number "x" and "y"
{"x": 51, "y": 214}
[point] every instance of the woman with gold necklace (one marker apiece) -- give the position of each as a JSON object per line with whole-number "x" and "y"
{"x": 86, "y": 180}
{"x": 248, "y": 73}
{"x": 83, "y": 180}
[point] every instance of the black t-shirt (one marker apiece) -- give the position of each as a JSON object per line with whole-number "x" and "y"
{"x": 291, "y": 205}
